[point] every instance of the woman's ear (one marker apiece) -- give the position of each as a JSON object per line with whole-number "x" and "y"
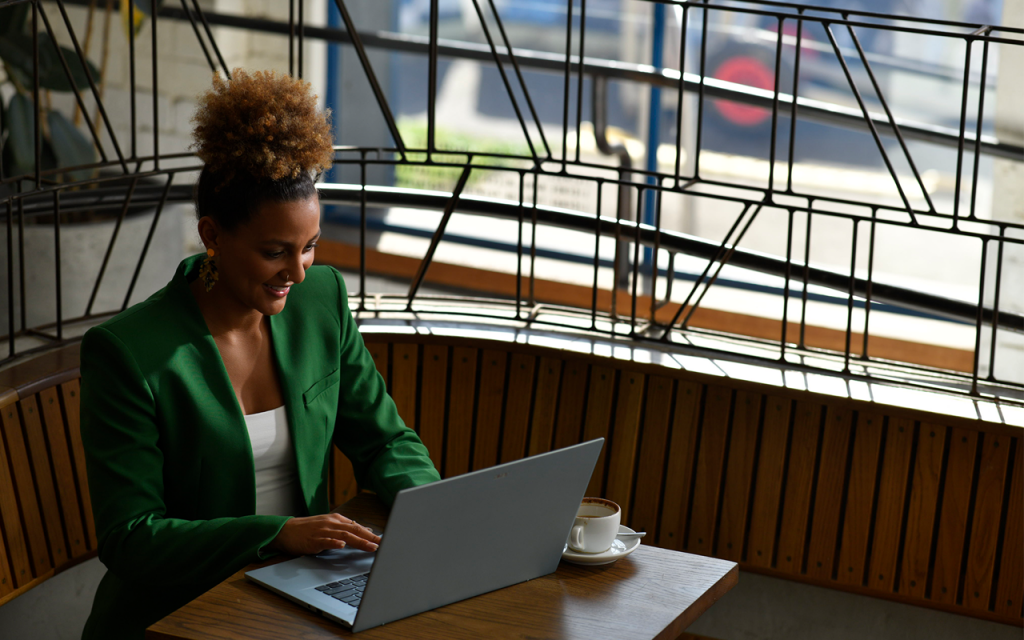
{"x": 209, "y": 233}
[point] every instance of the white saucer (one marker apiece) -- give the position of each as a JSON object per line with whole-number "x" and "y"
{"x": 619, "y": 549}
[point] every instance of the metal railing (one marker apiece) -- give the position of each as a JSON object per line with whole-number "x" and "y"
{"x": 123, "y": 179}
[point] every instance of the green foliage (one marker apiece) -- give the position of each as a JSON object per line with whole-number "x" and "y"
{"x": 62, "y": 144}
{"x": 455, "y": 146}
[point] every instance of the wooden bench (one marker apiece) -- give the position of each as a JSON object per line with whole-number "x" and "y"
{"x": 906, "y": 505}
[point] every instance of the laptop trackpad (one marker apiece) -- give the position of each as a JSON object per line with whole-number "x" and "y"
{"x": 313, "y": 571}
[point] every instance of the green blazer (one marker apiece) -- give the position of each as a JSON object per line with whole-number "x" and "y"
{"x": 170, "y": 465}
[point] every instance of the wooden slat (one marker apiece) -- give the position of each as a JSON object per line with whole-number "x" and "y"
{"x": 517, "y": 406}
{"x": 651, "y": 464}
{"x": 988, "y": 506}
{"x": 379, "y": 353}
{"x": 598, "y": 420}
{"x": 835, "y": 450}
{"x": 736, "y": 498}
{"x": 461, "y": 397}
{"x": 799, "y": 476}
{"x": 404, "y": 361}
{"x": 682, "y": 448}
{"x": 625, "y": 439}
{"x": 60, "y": 458}
{"x": 71, "y": 393}
{"x": 6, "y": 579}
{"x": 768, "y": 484}
{"x": 956, "y": 498}
{"x": 433, "y": 393}
{"x": 343, "y": 479}
{"x": 892, "y": 490}
{"x": 489, "y": 408}
{"x": 708, "y": 479}
{"x": 14, "y": 526}
{"x": 545, "y": 405}
{"x": 43, "y": 477}
{"x": 860, "y": 498}
{"x": 1010, "y": 589}
{"x": 569, "y": 424}
{"x": 924, "y": 499}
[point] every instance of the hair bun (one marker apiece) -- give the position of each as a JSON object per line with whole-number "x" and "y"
{"x": 263, "y": 124}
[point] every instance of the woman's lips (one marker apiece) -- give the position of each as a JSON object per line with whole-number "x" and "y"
{"x": 277, "y": 292}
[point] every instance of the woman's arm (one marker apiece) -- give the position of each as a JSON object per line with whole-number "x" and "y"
{"x": 125, "y": 462}
{"x": 386, "y": 455}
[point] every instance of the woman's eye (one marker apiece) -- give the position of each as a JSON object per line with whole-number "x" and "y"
{"x": 273, "y": 255}
{"x": 312, "y": 246}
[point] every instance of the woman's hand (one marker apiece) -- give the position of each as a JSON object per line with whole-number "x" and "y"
{"x": 312, "y": 535}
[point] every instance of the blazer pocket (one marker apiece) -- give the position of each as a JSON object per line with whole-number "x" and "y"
{"x": 320, "y": 386}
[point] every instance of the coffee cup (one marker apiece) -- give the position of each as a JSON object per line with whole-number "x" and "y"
{"x": 596, "y": 525}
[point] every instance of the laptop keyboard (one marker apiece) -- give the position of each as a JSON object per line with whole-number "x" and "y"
{"x": 349, "y": 590}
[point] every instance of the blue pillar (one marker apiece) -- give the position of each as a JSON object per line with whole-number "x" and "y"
{"x": 654, "y": 119}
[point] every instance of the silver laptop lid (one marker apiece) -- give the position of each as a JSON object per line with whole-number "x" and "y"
{"x": 474, "y": 533}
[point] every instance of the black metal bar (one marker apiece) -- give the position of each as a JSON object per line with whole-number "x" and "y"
{"x": 110, "y": 245}
{"x": 700, "y": 89}
{"x": 213, "y": 41}
{"x": 156, "y": 100}
{"x": 362, "y": 235}
{"x": 867, "y": 118}
{"x": 807, "y": 276}
{"x": 504, "y": 78}
{"x": 640, "y": 191}
{"x": 37, "y": 108}
{"x": 74, "y": 87}
{"x": 519, "y": 74}
{"x": 92, "y": 83}
{"x": 849, "y": 298}
{"x": 978, "y": 321}
{"x": 680, "y": 91}
{"x": 291, "y": 37}
{"x": 892, "y": 119}
{"x": 671, "y": 276}
{"x": 785, "y": 284}
{"x": 793, "y": 116}
{"x": 775, "y": 107}
{"x": 597, "y": 255}
{"x": 199, "y": 37}
{"x": 10, "y": 278}
{"x": 565, "y": 84}
{"x": 871, "y": 278}
{"x": 654, "y": 255}
{"x": 378, "y": 93}
{"x": 977, "y": 135}
{"x": 21, "y": 260}
{"x": 131, "y": 81}
{"x": 960, "y": 144}
{"x": 421, "y": 271}
{"x": 519, "y": 243}
{"x": 57, "y": 264}
{"x": 579, "y": 76}
{"x": 995, "y": 310}
{"x": 533, "y": 239}
{"x": 432, "y": 81}
{"x": 302, "y": 34}
{"x": 149, "y": 240}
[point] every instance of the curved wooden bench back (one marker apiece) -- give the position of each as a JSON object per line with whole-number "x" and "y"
{"x": 46, "y": 521}
{"x": 916, "y": 507}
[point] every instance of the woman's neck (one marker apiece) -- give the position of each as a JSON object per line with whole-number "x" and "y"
{"x": 224, "y": 315}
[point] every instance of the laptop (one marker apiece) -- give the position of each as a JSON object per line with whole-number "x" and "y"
{"x": 447, "y": 541}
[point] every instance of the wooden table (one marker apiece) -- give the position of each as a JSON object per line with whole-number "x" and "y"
{"x": 652, "y": 593}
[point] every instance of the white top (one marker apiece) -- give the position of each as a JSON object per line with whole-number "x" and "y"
{"x": 277, "y": 479}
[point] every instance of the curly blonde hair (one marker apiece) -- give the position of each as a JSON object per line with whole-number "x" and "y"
{"x": 262, "y": 124}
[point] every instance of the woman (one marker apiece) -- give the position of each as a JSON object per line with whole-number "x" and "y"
{"x": 209, "y": 409}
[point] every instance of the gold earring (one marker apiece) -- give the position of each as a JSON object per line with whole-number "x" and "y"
{"x": 208, "y": 271}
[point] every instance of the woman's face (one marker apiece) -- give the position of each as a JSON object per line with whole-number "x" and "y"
{"x": 259, "y": 261}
